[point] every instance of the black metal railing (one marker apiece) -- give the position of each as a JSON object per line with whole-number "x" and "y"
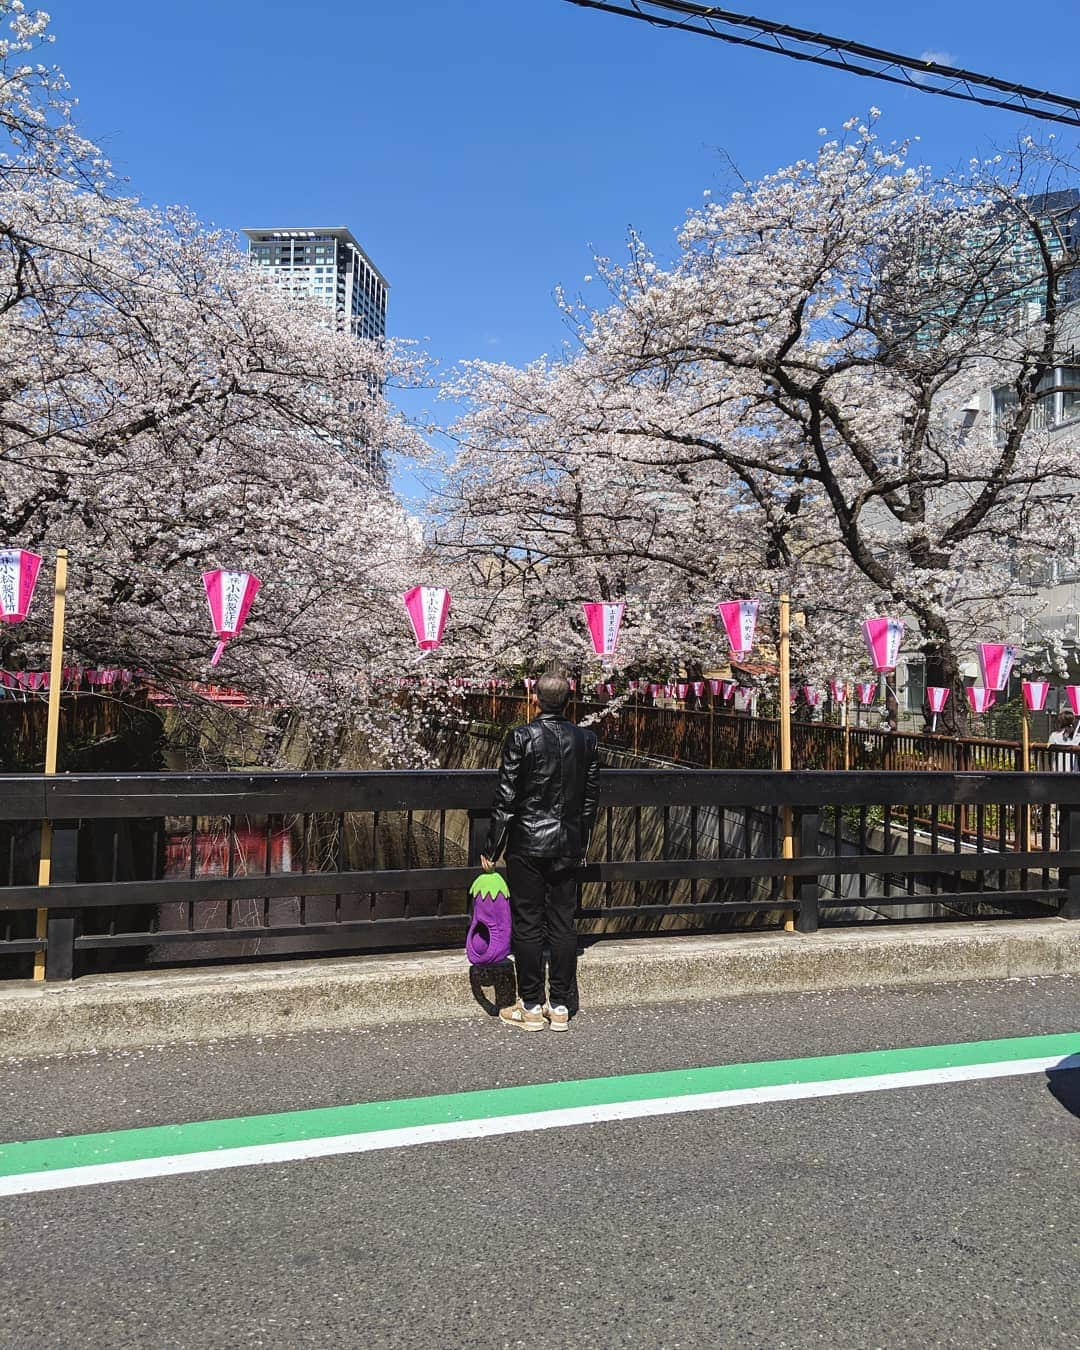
{"x": 705, "y": 733}
{"x": 151, "y": 868}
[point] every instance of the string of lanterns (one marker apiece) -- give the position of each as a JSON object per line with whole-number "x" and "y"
{"x": 429, "y": 607}
{"x": 230, "y": 595}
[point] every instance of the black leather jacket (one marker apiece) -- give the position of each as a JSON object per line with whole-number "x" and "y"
{"x": 549, "y": 786}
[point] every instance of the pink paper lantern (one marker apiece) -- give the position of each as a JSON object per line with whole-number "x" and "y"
{"x": 572, "y": 684}
{"x": 529, "y": 682}
{"x": 812, "y": 695}
{"x": 838, "y": 691}
{"x": 867, "y": 691}
{"x": 1035, "y": 692}
{"x": 727, "y": 690}
{"x": 996, "y": 660}
{"x": 742, "y": 699}
{"x": 38, "y": 679}
{"x": 681, "y": 690}
{"x": 18, "y": 574}
{"x": 427, "y": 608}
{"x": 1072, "y": 693}
{"x": 604, "y": 619}
{"x": 740, "y": 623}
{"x": 715, "y": 686}
{"x": 980, "y": 698}
{"x": 937, "y": 696}
{"x": 883, "y": 637}
{"x": 230, "y": 596}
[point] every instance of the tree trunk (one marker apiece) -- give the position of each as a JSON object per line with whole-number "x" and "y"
{"x": 943, "y": 670}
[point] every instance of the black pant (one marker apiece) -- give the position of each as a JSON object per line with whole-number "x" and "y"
{"x": 543, "y": 901}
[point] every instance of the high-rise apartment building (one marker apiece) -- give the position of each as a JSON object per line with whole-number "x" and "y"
{"x": 331, "y": 266}
{"x": 997, "y": 278}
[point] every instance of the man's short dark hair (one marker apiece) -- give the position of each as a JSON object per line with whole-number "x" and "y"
{"x": 552, "y": 691}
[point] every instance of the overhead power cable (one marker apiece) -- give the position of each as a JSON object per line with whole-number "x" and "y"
{"x": 801, "y": 44}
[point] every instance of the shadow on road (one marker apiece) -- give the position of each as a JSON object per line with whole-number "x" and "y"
{"x": 1064, "y": 1084}
{"x": 503, "y": 985}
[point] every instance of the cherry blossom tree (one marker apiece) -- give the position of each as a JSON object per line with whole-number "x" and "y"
{"x": 165, "y": 410}
{"x": 798, "y": 401}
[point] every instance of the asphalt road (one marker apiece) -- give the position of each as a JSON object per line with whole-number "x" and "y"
{"x": 930, "y": 1216}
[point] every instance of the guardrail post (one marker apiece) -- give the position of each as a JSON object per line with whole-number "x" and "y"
{"x": 1070, "y": 876}
{"x": 808, "y": 888}
{"x": 62, "y": 924}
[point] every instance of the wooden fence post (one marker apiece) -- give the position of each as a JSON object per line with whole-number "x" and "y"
{"x": 62, "y": 925}
{"x": 478, "y": 825}
{"x": 1070, "y": 876}
{"x": 808, "y": 887}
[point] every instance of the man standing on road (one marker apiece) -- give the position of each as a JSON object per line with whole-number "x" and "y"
{"x": 544, "y": 812}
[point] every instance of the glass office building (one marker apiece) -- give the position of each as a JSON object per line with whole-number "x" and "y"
{"x": 331, "y": 266}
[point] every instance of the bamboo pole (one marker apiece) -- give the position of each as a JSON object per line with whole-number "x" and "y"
{"x": 785, "y": 683}
{"x": 787, "y": 842}
{"x": 52, "y": 740}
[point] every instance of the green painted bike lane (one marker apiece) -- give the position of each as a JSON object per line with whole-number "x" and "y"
{"x": 879, "y": 1068}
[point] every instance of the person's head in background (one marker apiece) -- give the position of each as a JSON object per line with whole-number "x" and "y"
{"x": 552, "y": 692}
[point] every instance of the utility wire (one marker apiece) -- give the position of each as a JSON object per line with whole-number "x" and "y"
{"x": 801, "y": 44}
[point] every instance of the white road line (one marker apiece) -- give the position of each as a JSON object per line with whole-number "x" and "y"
{"x": 371, "y": 1141}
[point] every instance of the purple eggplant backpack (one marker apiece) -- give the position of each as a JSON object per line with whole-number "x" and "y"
{"x": 488, "y": 940}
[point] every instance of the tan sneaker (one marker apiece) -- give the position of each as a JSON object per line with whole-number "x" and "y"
{"x": 558, "y": 1016}
{"x": 525, "y": 1019}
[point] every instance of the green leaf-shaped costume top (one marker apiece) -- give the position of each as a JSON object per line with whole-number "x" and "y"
{"x": 488, "y": 885}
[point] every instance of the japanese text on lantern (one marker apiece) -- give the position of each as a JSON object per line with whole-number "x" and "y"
{"x": 432, "y": 597}
{"x": 612, "y": 618}
{"x": 233, "y": 588}
{"x": 9, "y": 580}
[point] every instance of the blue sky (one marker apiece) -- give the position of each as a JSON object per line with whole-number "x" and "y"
{"x": 479, "y": 149}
